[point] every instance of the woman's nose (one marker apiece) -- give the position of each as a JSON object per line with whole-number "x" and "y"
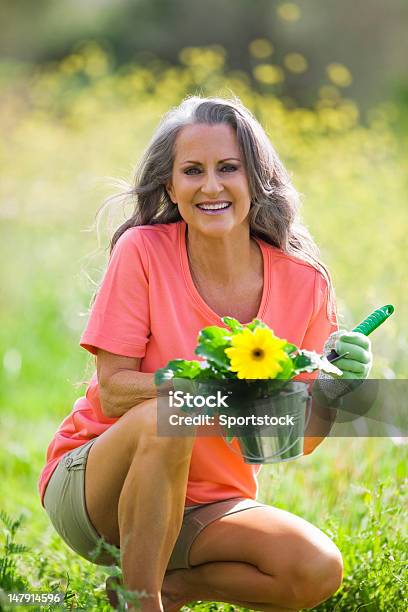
{"x": 211, "y": 186}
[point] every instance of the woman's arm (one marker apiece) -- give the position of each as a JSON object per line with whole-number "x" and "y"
{"x": 121, "y": 385}
{"x": 322, "y": 418}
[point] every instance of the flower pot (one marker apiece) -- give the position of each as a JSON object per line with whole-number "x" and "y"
{"x": 279, "y": 439}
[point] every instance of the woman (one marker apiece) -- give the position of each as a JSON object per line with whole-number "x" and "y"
{"x": 214, "y": 232}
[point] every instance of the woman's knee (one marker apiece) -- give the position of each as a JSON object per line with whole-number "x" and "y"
{"x": 317, "y": 576}
{"x": 142, "y": 422}
{"x": 141, "y": 418}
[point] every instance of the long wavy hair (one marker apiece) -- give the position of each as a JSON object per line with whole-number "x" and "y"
{"x": 275, "y": 203}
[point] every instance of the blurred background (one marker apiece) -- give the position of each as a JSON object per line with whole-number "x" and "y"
{"x": 83, "y": 86}
{"x": 368, "y": 39}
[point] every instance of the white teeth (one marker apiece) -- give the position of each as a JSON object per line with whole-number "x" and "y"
{"x": 213, "y": 206}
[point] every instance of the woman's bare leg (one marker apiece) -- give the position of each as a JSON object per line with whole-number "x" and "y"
{"x": 262, "y": 556}
{"x": 135, "y": 486}
{"x": 227, "y": 582}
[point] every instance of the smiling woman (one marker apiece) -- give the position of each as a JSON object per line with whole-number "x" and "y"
{"x": 212, "y": 195}
{"x": 214, "y": 184}
{"x": 215, "y": 232}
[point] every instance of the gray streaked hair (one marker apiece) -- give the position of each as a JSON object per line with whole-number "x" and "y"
{"x": 274, "y": 213}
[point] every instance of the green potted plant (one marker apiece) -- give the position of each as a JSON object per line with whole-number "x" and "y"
{"x": 255, "y": 369}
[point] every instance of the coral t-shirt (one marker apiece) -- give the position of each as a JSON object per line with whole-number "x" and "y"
{"x": 148, "y": 307}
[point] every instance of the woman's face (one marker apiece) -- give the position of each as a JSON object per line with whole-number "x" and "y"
{"x": 209, "y": 182}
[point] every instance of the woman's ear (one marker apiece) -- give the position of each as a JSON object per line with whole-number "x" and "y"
{"x": 170, "y": 192}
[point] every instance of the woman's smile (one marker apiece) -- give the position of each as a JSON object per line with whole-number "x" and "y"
{"x": 214, "y": 208}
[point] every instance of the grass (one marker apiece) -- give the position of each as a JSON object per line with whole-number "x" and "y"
{"x": 359, "y": 503}
{"x": 69, "y": 127}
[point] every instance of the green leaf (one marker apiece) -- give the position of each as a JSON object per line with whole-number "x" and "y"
{"x": 234, "y": 325}
{"x": 302, "y": 362}
{"x": 214, "y": 373}
{"x": 162, "y": 375}
{"x": 287, "y": 371}
{"x": 290, "y": 348}
{"x": 212, "y": 342}
{"x": 257, "y": 323}
{"x": 186, "y": 385}
{"x": 177, "y": 367}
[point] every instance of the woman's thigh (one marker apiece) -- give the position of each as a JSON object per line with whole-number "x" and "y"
{"x": 108, "y": 464}
{"x": 119, "y": 453}
{"x": 273, "y": 540}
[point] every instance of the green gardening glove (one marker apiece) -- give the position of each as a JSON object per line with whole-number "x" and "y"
{"x": 355, "y": 366}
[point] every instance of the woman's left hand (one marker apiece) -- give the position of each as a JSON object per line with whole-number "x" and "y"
{"x": 357, "y": 364}
{"x": 328, "y": 389}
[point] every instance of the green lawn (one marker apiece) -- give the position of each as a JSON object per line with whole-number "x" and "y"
{"x": 353, "y": 490}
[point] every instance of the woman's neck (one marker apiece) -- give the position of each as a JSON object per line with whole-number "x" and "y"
{"x": 222, "y": 261}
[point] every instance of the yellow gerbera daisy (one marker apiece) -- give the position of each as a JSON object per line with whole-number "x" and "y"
{"x": 256, "y": 354}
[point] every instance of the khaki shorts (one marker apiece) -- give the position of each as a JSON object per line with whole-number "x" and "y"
{"x": 64, "y": 502}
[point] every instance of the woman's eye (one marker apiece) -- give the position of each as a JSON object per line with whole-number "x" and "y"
{"x": 191, "y": 171}
{"x": 226, "y": 168}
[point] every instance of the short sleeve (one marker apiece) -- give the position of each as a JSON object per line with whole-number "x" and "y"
{"x": 119, "y": 321}
{"x": 324, "y": 319}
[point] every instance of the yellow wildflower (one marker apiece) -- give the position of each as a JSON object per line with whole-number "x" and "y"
{"x": 256, "y": 354}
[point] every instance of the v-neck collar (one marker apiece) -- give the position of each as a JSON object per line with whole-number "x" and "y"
{"x": 192, "y": 289}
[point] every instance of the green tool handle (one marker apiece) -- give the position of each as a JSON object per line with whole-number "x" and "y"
{"x": 370, "y": 323}
{"x": 374, "y": 320}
